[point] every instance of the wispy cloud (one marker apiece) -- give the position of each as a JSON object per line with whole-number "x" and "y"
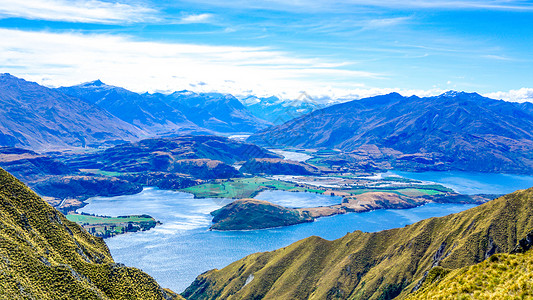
{"x": 78, "y": 11}
{"x": 497, "y": 57}
{"x": 199, "y": 18}
{"x": 69, "y": 58}
{"x": 341, "y": 5}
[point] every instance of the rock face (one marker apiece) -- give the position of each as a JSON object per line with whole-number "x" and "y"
{"x": 248, "y": 214}
{"x": 459, "y": 131}
{"x": 277, "y": 166}
{"x": 45, "y": 256}
{"x": 41, "y": 118}
{"x": 379, "y": 265}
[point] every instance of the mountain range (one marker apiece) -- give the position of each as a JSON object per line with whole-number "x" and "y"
{"x": 179, "y": 112}
{"x": 456, "y": 130}
{"x": 41, "y": 118}
{"x": 278, "y": 111}
{"x": 97, "y": 115}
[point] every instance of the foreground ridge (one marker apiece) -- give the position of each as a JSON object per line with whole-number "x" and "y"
{"x": 381, "y": 265}
{"x": 45, "y": 256}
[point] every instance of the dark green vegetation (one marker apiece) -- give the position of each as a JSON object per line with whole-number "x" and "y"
{"x": 41, "y": 118}
{"x": 458, "y": 131}
{"x": 278, "y": 166}
{"x": 374, "y": 265}
{"x": 237, "y": 188}
{"x": 104, "y": 227}
{"x": 45, "y": 256}
{"x": 256, "y": 214}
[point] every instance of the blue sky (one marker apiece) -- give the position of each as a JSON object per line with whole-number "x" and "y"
{"x": 329, "y": 49}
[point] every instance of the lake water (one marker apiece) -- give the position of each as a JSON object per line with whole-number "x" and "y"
{"x": 182, "y": 248}
{"x": 472, "y": 183}
{"x": 298, "y": 200}
{"x": 291, "y": 155}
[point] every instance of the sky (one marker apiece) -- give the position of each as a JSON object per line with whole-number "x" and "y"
{"x": 327, "y": 49}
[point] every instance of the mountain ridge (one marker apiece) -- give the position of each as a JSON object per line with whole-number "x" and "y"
{"x": 41, "y": 118}
{"x": 453, "y": 131}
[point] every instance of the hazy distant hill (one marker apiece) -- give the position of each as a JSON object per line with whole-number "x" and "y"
{"x": 387, "y": 264}
{"x": 278, "y": 111}
{"x": 462, "y": 131}
{"x": 215, "y": 111}
{"x": 41, "y": 118}
{"x": 149, "y": 113}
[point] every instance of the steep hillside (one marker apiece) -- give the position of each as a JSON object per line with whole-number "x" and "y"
{"x": 378, "y": 265}
{"x": 459, "y": 131}
{"x": 502, "y": 276}
{"x": 41, "y": 118}
{"x": 45, "y": 256}
{"x": 149, "y": 113}
{"x": 217, "y": 112}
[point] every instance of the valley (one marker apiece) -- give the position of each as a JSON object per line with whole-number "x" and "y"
{"x": 199, "y": 181}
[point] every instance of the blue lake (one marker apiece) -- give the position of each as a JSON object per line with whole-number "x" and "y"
{"x": 472, "y": 183}
{"x": 298, "y": 200}
{"x": 182, "y": 248}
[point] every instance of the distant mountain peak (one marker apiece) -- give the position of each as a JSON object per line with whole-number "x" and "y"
{"x": 455, "y": 94}
{"x": 97, "y": 82}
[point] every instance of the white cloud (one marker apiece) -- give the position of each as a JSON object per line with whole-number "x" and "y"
{"x": 57, "y": 59}
{"x": 520, "y": 95}
{"x": 80, "y": 11}
{"x": 200, "y": 18}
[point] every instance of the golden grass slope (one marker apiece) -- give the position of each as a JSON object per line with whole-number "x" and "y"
{"x": 45, "y": 256}
{"x": 502, "y": 276}
{"x": 380, "y": 265}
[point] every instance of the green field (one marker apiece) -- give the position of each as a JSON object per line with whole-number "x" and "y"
{"x": 104, "y": 226}
{"x": 92, "y": 220}
{"x": 239, "y": 188}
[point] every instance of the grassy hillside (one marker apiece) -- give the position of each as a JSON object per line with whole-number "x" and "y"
{"x": 379, "y": 265}
{"x": 502, "y": 276}
{"x": 45, "y": 256}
